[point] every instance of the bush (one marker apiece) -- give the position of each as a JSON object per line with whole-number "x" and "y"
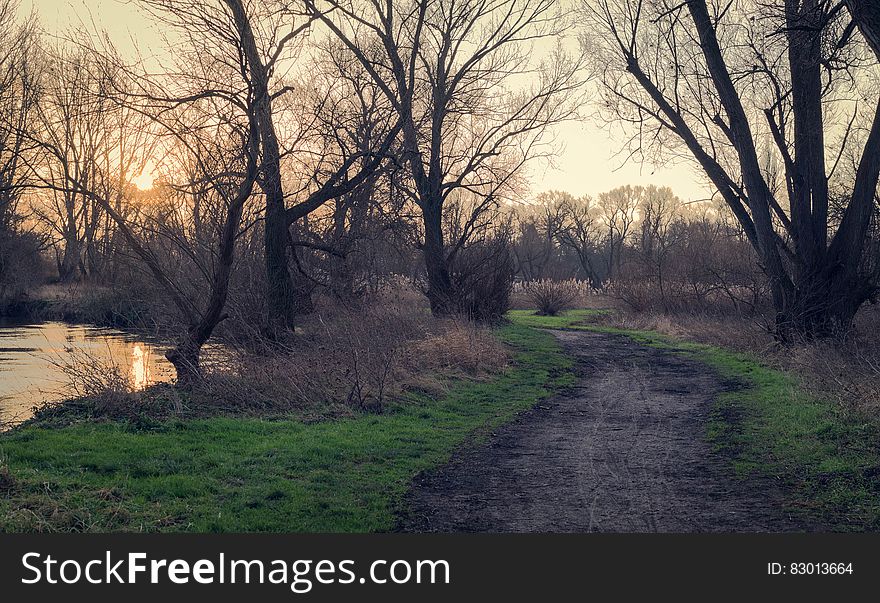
{"x": 482, "y": 277}
{"x": 21, "y": 266}
{"x": 355, "y": 359}
{"x": 552, "y": 297}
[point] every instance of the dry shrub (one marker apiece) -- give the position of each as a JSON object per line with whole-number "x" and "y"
{"x": 347, "y": 359}
{"x": 482, "y": 278}
{"x": 457, "y": 347}
{"x": 849, "y": 373}
{"x": 729, "y": 331}
{"x": 588, "y": 298}
{"x": 100, "y": 387}
{"x": 550, "y": 297}
{"x": 846, "y": 370}
{"x": 100, "y": 380}
{"x": 642, "y": 291}
{"x": 356, "y": 359}
{"x": 92, "y": 375}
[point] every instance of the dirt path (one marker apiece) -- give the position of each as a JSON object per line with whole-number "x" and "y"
{"x": 622, "y": 451}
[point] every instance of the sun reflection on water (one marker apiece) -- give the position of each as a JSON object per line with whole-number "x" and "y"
{"x": 36, "y": 360}
{"x": 140, "y": 367}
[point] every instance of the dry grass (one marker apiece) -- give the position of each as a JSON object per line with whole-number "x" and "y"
{"x": 733, "y": 332}
{"x": 848, "y": 374}
{"x": 341, "y": 361}
{"x": 357, "y": 359}
{"x": 455, "y": 348}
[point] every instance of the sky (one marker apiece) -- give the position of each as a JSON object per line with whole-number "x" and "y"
{"x": 589, "y": 162}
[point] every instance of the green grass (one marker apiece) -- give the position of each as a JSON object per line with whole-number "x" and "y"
{"x": 826, "y": 460}
{"x": 230, "y": 474}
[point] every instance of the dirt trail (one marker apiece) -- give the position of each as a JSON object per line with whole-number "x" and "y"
{"x": 622, "y": 451}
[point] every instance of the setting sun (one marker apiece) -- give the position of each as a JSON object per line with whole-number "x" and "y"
{"x": 145, "y": 180}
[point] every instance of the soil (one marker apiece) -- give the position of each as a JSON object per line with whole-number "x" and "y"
{"x": 624, "y": 450}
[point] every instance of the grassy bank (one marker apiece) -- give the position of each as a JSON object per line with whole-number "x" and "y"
{"x": 229, "y": 474}
{"x": 248, "y": 474}
{"x": 827, "y": 460}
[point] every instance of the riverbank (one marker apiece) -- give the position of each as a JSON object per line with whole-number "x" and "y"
{"x": 253, "y": 474}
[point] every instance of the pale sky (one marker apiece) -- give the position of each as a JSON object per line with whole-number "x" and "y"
{"x": 587, "y": 165}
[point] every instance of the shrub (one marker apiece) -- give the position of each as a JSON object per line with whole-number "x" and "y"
{"x": 21, "y": 266}
{"x": 552, "y": 297}
{"x": 457, "y": 347}
{"x": 356, "y": 359}
{"x": 482, "y": 277}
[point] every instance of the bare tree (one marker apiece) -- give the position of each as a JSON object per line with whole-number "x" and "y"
{"x": 260, "y": 42}
{"x": 220, "y": 132}
{"x": 726, "y": 82}
{"x": 69, "y": 119}
{"x": 353, "y": 119}
{"x": 617, "y": 211}
{"x": 18, "y": 96}
{"x": 93, "y": 141}
{"x": 19, "y": 93}
{"x": 540, "y": 225}
{"x": 450, "y": 72}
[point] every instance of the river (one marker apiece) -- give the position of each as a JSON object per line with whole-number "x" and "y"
{"x": 36, "y": 362}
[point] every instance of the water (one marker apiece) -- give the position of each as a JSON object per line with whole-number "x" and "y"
{"x": 36, "y": 361}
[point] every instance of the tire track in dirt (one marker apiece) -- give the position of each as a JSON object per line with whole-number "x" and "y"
{"x": 624, "y": 450}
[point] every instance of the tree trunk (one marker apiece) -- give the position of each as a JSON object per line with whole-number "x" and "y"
{"x": 440, "y": 290}
{"x": 186, "y": 355}
{"x": 822, "y": 306}
{"x": 866, "y": 14}
{"x": 809, "y": 183}
{"x": 185, "y": 358}
{"x": 68, "y": 270}
{"x": 280, "y": 289}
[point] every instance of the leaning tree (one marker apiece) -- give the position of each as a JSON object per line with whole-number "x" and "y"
{"x": 767, "y": 97}
{"x": 218, "y": 134}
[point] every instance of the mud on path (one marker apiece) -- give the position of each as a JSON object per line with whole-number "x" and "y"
{"x": 624, "y": 450}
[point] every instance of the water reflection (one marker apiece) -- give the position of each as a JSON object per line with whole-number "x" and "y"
{"x": 35, "y": 361}
{"x": 141, "y": 375}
